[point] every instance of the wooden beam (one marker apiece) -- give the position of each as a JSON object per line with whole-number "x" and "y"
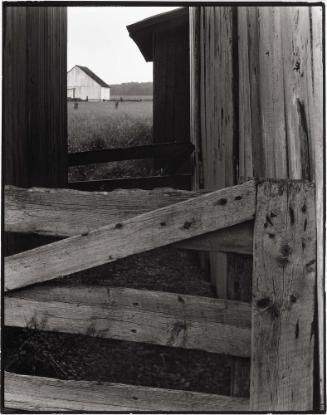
{"x": 166, "y": 319}
{"x": 206, "y": 213}
{"x": 158, "y": 151}
{"x": 195, "y": 107}
{"x": 177, "y": 181}
{"x": 60, "y": 212}
{"x": 284, "y": 283}
{"x": 35, "y": 116}
{"x": 68, "y": 212}
{"x": 36, "y": 393}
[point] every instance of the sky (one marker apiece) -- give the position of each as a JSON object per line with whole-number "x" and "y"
{"x": 98, "y": 39}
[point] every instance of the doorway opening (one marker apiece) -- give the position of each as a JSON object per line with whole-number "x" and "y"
{"x": 128, "y": 97}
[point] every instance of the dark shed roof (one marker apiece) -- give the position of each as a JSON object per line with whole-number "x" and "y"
{"x": 142, "y": 32}
{"x": 93, "y": 76}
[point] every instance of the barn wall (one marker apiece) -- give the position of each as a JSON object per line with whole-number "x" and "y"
{"x": 267, "y": 61}
{"x": 34, "y": 96}
{"x": 171, "y": 117}
{"x": 281, "y": 106}
{"x": 215, "y": 133}
{"x": 105, "y": 93}
{"x": 85, "y": 86}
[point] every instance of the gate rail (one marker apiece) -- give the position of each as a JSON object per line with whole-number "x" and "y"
{"x": 274, "y": 219}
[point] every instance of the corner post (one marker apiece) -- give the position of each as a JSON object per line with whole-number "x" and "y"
{"x": 284, "y": 284}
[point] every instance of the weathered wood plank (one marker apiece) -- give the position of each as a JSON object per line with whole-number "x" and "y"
{"x": 62, "y": 213}
{"x": 166, "y": 319}
{"x": 177, "y": 181}
{"x": 284, "y": 284}
{"x": 281, "y": 106}
{"x": 219, "y": 120}
{"x": 318, "y": 147}
{"x": 45, "y": 394}
{"x": 171, "y": 83}
{"x": 206, "y": 213}
{"x": 161, "y": 151}
{"x": 68, "y": 212}
{"x": 195, "y": 97}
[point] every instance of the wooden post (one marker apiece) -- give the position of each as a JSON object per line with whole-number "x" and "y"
{"x": 214, "y": 133}
{"x": 35, "y": 111}
{"x": 284, "y": 283}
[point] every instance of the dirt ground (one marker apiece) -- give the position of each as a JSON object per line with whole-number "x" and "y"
{"x": 80, "y": 357}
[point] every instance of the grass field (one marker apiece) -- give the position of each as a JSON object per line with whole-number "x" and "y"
{"x": 100, "y": 125}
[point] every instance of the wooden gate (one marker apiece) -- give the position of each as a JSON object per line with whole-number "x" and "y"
{"x": 274, "y": 220}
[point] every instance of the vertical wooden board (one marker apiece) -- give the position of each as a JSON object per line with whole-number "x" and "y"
{"x": 219, "y": 110}
{"x": 284, "y": 283}
{"x": 245, "y": 90}
{"x": 296, "y": 64}
{"x": 240, "y": 278}
{"x": 35, "y": 113}
{"x": 250, "y": 108}
{"x": 272, "y": 91}
{"x": 171, "y": 115}
{"x": 316, "y": 106}
{"x": 15, "y": 146}
{"x": 195, "y": 98}
{"x": 35, "y": 139}
{"x": 46, "y": 89}
{"x": 303, "y": 71}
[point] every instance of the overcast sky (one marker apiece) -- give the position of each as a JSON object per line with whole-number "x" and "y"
{"x": 98, "y": 39}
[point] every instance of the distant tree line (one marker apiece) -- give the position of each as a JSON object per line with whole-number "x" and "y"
{"x": 132, "y": 88}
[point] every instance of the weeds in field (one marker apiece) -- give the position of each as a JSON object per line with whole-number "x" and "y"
{"x": 100, "y": 125}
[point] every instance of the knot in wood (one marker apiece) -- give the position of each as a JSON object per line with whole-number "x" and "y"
{"x": 264, "y": 302}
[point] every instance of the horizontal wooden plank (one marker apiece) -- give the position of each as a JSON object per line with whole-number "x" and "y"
{"x": 68, "y": 212}
{"x": 177, "y": 181}
{"x": 167, "y": 319}
{"x": 206, "y": 213}
{"x": 158, "y": 151}
{"x": 45, "y": 394}
{"x": 63, "y": 212}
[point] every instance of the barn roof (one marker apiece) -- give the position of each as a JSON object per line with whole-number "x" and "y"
{"x": 142, "y": 31}
{"x": 93, "y": 76}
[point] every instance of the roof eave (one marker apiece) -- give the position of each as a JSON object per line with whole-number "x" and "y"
{"x": 142, "y": 32}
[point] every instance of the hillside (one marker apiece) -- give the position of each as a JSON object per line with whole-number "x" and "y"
{"x": 132, "y": 89}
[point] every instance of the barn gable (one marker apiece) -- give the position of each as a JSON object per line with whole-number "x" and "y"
{"x": 82, "y": 83}
{"x": 93, "y": 76}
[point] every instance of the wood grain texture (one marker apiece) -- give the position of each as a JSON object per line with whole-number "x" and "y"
{"x": 35, "y": 115}
{"x": 217, "y": 113}
{"x": 206, "y": 213}
{"x": 68, "y": 212}
{"x": 284, "y": 284}
{"x": 45, "y": 394}
{"x": 195, "y": 96}
{"x": 219, "y": 119}
{"x": 281, "y": 104}
{"x": 316, "y": 108}
{"x": 278, "y": 67}
{"x": 166, "y": 319}
{"x": 60, "y": 212}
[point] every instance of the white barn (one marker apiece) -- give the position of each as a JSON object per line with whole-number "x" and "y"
{"x": 84, "y": 84}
